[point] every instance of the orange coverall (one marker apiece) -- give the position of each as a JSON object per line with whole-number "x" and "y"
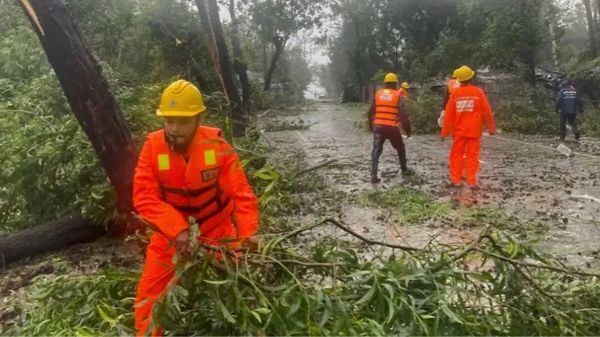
{"x": 208, "y": 184}
{"x": 466, "y": 112}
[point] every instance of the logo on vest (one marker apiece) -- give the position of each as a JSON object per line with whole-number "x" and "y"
{"x": 386, "y": 97}
{"x": 210, "y": 174}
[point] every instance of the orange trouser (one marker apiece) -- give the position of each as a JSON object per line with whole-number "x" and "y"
{"x": 460, "y": 147}
{"x": 158, "y": 272}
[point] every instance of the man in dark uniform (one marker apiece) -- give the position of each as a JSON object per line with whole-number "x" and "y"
{"x": 568, "y": 104}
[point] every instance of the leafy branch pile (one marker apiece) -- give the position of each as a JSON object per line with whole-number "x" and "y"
{"x": 297, "y": 284}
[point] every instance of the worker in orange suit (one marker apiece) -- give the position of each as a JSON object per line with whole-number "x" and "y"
{"x": 451, "y": 87}
{"x": 466, "y": 113}
{"x": 186, "y": 170}
{"x": 404, "y": 89}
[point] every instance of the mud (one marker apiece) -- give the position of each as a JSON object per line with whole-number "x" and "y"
{"x": 526, "y": 177}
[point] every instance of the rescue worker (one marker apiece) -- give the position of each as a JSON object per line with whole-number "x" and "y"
{"x": 385, "y": 115}
{"x": 466, "y": 113}
{"x": 186, "y": 170}
{"x": 404, "y": 89}
{"x": 451, "y": 86}
{"x": 568, "y": 104}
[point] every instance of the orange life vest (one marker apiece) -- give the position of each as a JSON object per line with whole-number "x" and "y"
{"x": 192, "y": 186}
{"x": 386, "y": 107}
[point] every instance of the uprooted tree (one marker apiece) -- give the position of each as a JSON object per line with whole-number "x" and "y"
{"x": 98, "y": 113}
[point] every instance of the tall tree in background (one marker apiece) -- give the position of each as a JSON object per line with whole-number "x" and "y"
{"x": 238, "y": 59}
{"x": 278, "y": 20}
{"x": 87, "y": 92}
{"x": 591, "y": 28}
{"x": 209, "y": 16}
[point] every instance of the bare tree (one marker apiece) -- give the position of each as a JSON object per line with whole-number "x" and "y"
{"x": 591, "y": 28}
{"x": 209, "y": 16}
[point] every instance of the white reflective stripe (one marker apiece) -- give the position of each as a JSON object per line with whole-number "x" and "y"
{"x": 465, "y": 105}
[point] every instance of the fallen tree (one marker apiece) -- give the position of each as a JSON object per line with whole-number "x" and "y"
{"x": 47, "y": 237}
{"x": 99, "y": 115}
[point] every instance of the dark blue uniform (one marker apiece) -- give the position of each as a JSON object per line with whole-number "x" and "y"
{"x": 568, "y": 104}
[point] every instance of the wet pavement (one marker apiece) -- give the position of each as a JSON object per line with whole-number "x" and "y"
{"x": 523, "y": 176}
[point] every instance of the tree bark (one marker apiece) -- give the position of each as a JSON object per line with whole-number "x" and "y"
{"x": 220, "y": 57}
{"x": 591, "y": 28}
{"x": 238, "y": 60}
{"x": 87, "y": 91}
{"x": 196, "y": 71}
{"x": 47, "y": 237}
{"x": 279, "y": 43}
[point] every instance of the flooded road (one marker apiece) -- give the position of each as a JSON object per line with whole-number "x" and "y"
{"x": 558, "y": 197}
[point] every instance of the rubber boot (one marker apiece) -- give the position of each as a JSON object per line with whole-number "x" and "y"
{"x": 403, "y": 167}
{"x": 374, "y": 169}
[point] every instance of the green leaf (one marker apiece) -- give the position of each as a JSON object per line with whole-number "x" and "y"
{"x": 451, "y": 315}
{"x": 367, "y": 297}
{"x": 256, "y": 316}
{"x": 263, "y": 311}
{"x": 226, "y": 312}
{"x": 217, "y": 282}
{"x": 105, "y": 317}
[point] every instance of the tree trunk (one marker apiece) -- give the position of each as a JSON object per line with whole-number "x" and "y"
{"x": 47, "y": 237}
{"x": 88, "y": 93}
{"x": 238, "y": 60}
{"x": 196, "y": 71}
{"x": 279, "y": 43}
{"x": 591, "y": 28}
{"x": 220, "y": 57}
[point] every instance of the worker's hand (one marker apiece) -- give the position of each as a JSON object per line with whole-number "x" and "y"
{"x": 252, "y": 242}
{"x": 182, "y": 242}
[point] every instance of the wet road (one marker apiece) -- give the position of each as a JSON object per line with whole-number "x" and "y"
{"x": 526, "y": 177}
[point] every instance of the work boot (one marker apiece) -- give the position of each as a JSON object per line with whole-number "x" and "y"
{"x": 374, "y": 169}
{"x": 402, "y": 158}
{"x": 475, "y": 187}
{"x": 577, "y": 136}
{"x": 407, "y": 172}
{"x": 453, "y": 185}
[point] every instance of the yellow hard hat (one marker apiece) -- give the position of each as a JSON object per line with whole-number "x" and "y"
{"x": 405, "y": 85}
{"x": 464, "y": 73}
{"x": 181, "y": 99}
{"x": 454, "y": 73}
{"x": 390, "y": 78}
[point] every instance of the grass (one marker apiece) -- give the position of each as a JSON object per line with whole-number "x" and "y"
{"x": 408, "y": 205}
{"x": 411, "y": 206}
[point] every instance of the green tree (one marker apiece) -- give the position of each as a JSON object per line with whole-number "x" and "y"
{"x": 276, "y": 21}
